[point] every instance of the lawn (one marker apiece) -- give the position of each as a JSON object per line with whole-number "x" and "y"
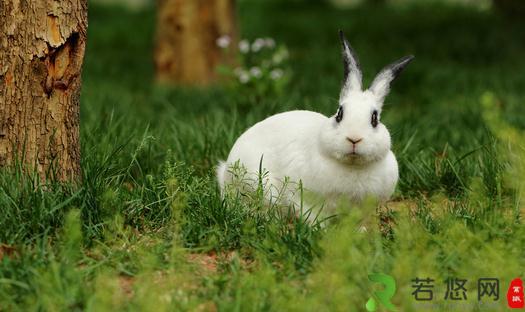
{"x": 148, "y": 229}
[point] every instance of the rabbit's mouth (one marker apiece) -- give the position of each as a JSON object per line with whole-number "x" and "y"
{"x": 355, "y": 159}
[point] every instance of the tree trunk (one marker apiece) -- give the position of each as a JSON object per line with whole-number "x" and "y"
{"x": 187, "y": 32}
{"x": 41, "y": 53}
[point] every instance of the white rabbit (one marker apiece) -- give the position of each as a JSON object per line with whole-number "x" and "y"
{"x": 347, "y": 154}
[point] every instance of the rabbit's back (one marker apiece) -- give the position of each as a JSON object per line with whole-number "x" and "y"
{"x": 277, "y": 141}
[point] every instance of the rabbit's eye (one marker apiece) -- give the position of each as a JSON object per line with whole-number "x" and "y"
{"x": 339, "y": 115}
{"x": 374, "y": 119}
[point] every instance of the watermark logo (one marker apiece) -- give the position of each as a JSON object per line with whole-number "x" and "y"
{"x": 515, "y": 294}
{"x": 384, "y": 296}
{"x": 423, "y": 289}
{"x": 456, "y": 289}
{"x": 454, "y": 298}
{"x": 489, "y": 288}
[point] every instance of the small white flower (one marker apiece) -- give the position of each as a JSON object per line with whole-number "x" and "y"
{"x": 223, "y": 41}
{"x": 258, "y": 44}
{"x": 244, "y": 77}
{"x": 256, "y": 72}
{"x": 269, "y": 42}
{"x": 276, "y": 74}
{"x": 244, "y": 46}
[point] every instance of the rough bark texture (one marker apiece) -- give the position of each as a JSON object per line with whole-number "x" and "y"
{"x": 187, "y": 31}
{"x": 41, "y": 53}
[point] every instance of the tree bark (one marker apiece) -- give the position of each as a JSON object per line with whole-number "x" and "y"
{"x": 187, "y": 32}
{"x": 41, "y": 53}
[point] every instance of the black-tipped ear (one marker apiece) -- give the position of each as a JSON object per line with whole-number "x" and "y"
{"x": 352, "y": 71}
{"x": 381, "y": 84}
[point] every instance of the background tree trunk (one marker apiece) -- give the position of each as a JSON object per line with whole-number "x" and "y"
{"x": 41, "y": 53}
{"x": 187, "y": 31}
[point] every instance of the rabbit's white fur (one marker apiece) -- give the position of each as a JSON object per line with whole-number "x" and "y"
{"x": 316, "y": 150}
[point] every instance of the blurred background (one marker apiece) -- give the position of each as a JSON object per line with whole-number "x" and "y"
{"x": 463, "y": 49}
{"x": 339, "y": 3}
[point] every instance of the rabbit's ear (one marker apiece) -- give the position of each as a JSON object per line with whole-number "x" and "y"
{"x": 353, "y": 75}
{"x": 381, "y": 84}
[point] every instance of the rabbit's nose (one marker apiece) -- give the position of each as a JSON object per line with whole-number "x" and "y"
{"x": 354, "y": 141}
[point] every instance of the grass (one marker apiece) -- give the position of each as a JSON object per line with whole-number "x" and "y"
{"x": 148, "y": 230}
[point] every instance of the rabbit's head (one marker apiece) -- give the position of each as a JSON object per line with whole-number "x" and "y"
{"x": 355, "y": 134}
